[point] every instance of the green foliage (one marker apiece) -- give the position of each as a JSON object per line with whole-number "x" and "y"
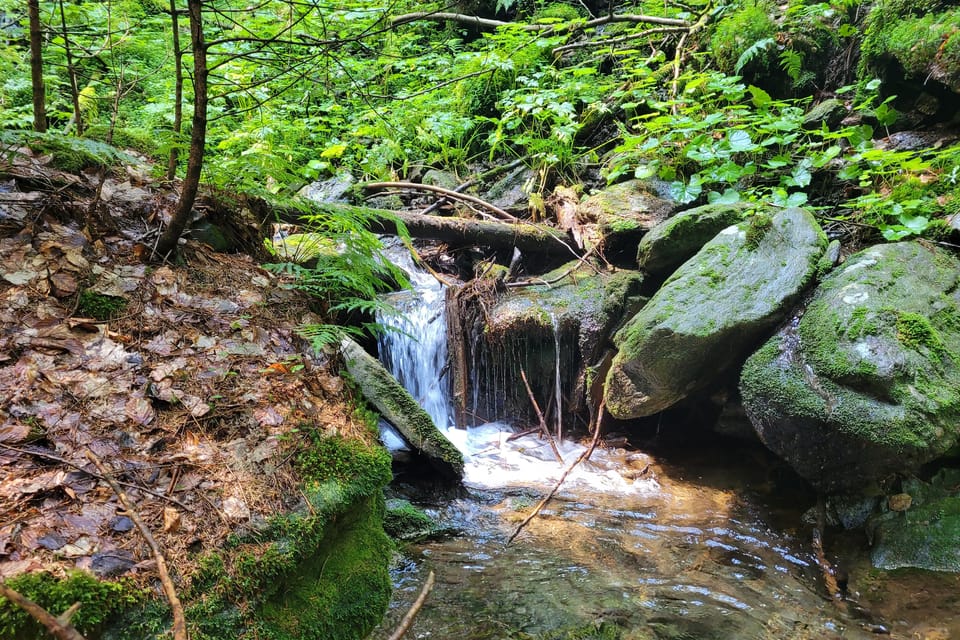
{"x": 99, "y": 601}
{"x": 744, "y": 37}
{"x": 99, "y": 306}
{"x": 347, "y": 276}
{"x": 724, "y": 142}
{"x": 67, "y": 153}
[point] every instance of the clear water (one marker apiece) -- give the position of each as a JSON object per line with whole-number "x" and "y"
{"x": 695, "y": 544}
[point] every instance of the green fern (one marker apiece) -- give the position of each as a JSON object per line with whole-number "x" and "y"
{"x": 752, "y": 52}
{"x": 792, "y": 63}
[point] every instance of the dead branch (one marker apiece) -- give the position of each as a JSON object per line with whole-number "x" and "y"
{"x": 603, "y": 42}
{"x": 449, "y": 193}
{"x": 583, "y": 456}
{"x": 179, "y": 622}
{"x": 414, "y": 609}
{"x": 543, "y": 421}
{"x": 826, "y": 569}
{"x": 486, "y": 23}
{"x": 59, "y": 627}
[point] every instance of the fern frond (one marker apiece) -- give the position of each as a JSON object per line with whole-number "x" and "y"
{"x": 792, "y": 63}
{"x": 752, "y": 52}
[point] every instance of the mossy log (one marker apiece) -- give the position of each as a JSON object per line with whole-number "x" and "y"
{"x": 457, "y": 232}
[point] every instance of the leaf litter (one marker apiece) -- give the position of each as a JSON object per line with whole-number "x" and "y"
{"x": 188, "y": 394}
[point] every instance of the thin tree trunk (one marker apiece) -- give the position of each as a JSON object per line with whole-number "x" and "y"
{"x": 198, "y": 137}
{"x": 177, "y": 94}
{"x": 71, "y": 72}
{"x": 36, "y": 67}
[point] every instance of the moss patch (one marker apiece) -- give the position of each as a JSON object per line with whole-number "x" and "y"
{"x": 99, "y": 600}
{"x": 100, "y": 306}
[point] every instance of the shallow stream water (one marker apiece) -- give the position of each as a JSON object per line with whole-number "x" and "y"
{"x": 699, "y": 543}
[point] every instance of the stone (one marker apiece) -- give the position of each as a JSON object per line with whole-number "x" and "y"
{"x": 713, "y": 310}
{"x": 865, "y": 385}
{"x": 677, "y": 239}
{"x": 831, "y": 111}
{"x": 621, "y": 214}
{"x": 575, "y": 306}
{"x": 925, "y": 535}
{"x": 398, "y": 407}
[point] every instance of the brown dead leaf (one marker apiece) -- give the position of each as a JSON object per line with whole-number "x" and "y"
{"x": 171, "y": 520}
{"x": 14, "y": 432}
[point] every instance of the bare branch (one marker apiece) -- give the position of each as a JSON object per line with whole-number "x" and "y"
{"x": 414, "y": 609}
{"x": 487, "y": 23}
{"x": 497, "y": 211}
{"x": 59, "y": 628}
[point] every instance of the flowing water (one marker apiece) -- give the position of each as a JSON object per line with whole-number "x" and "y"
{"x": 697, "y": 544}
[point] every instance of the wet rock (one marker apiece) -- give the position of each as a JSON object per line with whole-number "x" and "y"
{"x": 713, "y": 310}
{"x": 926, "y": 535}
{"x": 335, "y": 189}
{"x": 866, "y": 384}
{"x": 677, "y": 239}
{"x": 575, "y": 306}
{"x": 512, "y": 192}
{"x": 398, "y": 407}
{"x": 439, "y": 178}
{"x": 622, "y": 213}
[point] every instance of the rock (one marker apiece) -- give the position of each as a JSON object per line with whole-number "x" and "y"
{"x": 899, "y": 502}
{"x": 621, "y": 214}
{"x": 109, "y": 564}
{"x": 926, "y": 535}
{"x": 866, "y": 384}
{"x": 713, "y": 310}
{"x": 335, "y": 189}
{"x": 577, "y": 307}
{"x": 831, "y": 112}
{"x": 512, "y": 192}
{"x": 677, "y": 239}
{"x": 399, "y": 408}
{"x": 439, "y": 178}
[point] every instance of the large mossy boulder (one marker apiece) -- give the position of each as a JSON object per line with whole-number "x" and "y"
{"x": 924, "y": 535}
{"x": 399, "y": 408}
{"x": 518, "y": 331}
{"x": 866, "y": 384}
{"x": 677, "y": 239}
{"x": 621, "y": 214}
{"x": 715, "y": 308}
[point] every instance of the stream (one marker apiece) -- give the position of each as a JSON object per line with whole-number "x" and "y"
{"x": 700, "y": 542}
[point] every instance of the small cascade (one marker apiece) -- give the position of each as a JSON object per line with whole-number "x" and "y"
{"x": 416, "y": 354}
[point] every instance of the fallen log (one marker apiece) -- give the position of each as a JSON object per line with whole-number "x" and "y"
{"x": 456, "y": 232}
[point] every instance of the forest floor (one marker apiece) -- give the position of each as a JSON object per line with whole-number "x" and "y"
{"x": 188, "y": 381}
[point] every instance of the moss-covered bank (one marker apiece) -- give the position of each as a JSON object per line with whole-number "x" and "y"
{"x": 318, "y": 572}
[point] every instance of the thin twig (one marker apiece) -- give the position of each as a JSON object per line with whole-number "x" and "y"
{"x": 450, "y": 193}
{"x": 59, "y": 628}
{"x": 543, "y": 421}
{"x": 179, "y": 622}
{"x": 414, "y": 609}
{"x": 50, "y": 456}
{"x": 583, "y": 456}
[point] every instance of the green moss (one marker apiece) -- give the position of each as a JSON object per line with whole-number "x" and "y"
{"x": 917, "y": 34}
{"x": 403, "y": 521}
{"x": 100, "y": 600}
{"x": 100, "y": 306}
{"x": 916, "y": 332}
{"x": 757, "y": 227}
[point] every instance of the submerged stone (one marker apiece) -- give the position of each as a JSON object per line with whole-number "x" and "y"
{"x": 866, "y": 384}
{"x": 925, "y": 535}
{"x": 399, "y": 408}
{"x": 712, "y": 310}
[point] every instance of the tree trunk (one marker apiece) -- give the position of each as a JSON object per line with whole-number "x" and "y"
{"x": 177, "y": 94}
{"x": 36, "y": 67}
{"x": 71, "y": 72}
{"x": 457, "y": 232}
{"x": 198, "y": 137}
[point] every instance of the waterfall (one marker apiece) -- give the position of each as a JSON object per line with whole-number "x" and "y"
{"x": 416, "y": 352}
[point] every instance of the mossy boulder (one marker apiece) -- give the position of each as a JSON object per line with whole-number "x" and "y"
{"x": 622, "y": 213}
{"x": 677, "y": 239}
{"x": 399, "y": 408}
{"x": 576, "y": 308}
{"x": 921, "y": 37}
{"x": 713, "y": 310}
{"x": 927, "y": 534}
{"x": 403, "y": 521}
{"x": 866, "y": 384}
